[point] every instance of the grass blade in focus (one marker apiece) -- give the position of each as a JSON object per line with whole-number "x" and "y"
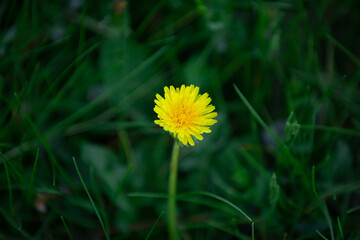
{"x": 91, "y": 200}
{"x": 66, "y": 228}
{"x": 323, "y": 237}
{"x": 153, "y": 227}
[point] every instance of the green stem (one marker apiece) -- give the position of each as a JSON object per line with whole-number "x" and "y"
{"x": 172, "y": 192}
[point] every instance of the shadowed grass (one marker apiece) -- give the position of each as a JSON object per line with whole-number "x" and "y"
{"x": 66, "y": 228}
{"x": 91, "y": 200}
{"x": 8, "y": 182}
{"x": 354, "y": 58}
{"x": 323, "y": 206}
{"x": 322, "y": 236}
{"x": 340, "y": 228}
{"x": 10, "y": 220}
{"x": 354, "y": 209}
{"x": 44, "y": 142}
{"x": 153, "y": 227}
{"x": 110, "y": 91}
{"x": 284, "y": 149}
{"x": 283, "y": 76}
{"x": 184, "y": 196}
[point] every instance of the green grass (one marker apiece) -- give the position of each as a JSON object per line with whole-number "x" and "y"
{"x": 78, "y": 81}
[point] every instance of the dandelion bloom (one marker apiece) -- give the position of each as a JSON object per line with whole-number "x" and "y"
{"x": 185, "y": 113}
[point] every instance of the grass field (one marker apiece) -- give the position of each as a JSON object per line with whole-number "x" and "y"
{"x": 81, "y": 157}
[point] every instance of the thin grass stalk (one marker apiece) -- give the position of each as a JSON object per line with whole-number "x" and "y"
{"x": 66, "y": 228}
{"x": 153, "y": 227}
{"x": 91, "y": 200}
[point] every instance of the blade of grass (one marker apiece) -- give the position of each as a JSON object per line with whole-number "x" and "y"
{"x": 344, "y": 188}
{"x": 218, "y": 198}
{"x": 313, "y": 181}
{"x": 153, "y": 227}
{"x": 34, "y": 168}
{"x": 200, "y": 200}
{"x": 33, "y": 174}
{"x": 93, "y": 124}
{"x": 70, "y": 66}
{"x": 183, "y": 21}
{"x": 340, "y": 228}
{"x": 327, "y": 218}
{"x": 48, "y": 220}
{"x": 147, "y": 19}
{"x": 344, "y": 49}
{"x": 184, "y": 196}
{"x": 109, "y": 126}
{"x": 122, "y": 182}
{"x": 51, "y": 106}
{"x": 21, "y": 148}
{"x": 13, "y": 224}
{"x": 9, "y": 182}
{"x": 37, "y": 50}
{"x": 220, "y": 225}
{"x": 91, "y": 200}
{"x": 160, "y": 42}
{"x": 281, "y": 145}
{"x": 66, "y": 228}
{"x": 97, "y": 194}
{"x": 108, "y": 92}
{"x": 82, "y": 111}
{"x": 126, "y": 145}
{"x": 252, "y": 161}
{"x": 310, "y": 140}
{"x": 321, "y": 234}
{"x": 353, "y": 209}
{"x": 43, "y": 141}
{"x": 323, "y": 204}
{"x": 258, "y": 118}
{"x": 11, "y": 167}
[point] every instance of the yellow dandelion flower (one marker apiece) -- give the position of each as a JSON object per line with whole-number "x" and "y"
{"x": 185, "y": 113}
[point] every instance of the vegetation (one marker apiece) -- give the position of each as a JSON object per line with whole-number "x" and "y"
{"x": 81, "y": 156}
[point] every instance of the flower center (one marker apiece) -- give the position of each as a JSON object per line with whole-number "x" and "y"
{"x": 183, "y": 116}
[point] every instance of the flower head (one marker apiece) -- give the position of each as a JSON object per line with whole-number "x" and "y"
{"x": 185, "y": 113}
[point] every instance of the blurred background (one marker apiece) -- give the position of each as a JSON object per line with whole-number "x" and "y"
{"x": 82, "y": 159}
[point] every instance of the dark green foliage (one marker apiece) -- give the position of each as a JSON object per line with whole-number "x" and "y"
{"x": 78, "y": 81}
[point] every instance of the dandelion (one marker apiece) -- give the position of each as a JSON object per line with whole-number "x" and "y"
{"x": 185, "y": 113}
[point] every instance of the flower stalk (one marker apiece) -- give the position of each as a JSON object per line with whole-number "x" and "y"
{"x": 173, "y": 235}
